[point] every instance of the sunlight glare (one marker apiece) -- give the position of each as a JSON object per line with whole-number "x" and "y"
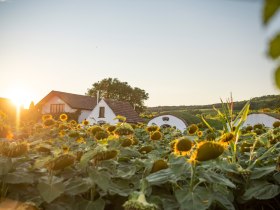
{"x": 20, "y": 97}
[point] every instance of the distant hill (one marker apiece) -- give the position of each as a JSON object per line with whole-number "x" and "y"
{"x": 257, "y": 103}
{"x": 191, "y": 114}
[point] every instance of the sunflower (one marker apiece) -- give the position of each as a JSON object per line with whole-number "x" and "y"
{"x": 85, "y": 122}
{"x": 124, "y": 129}
{"x": 156, "y": 135}
{"x": 227, "y": 137}
{"x": 101, "y": 135}
{"x": 111, "y": 128}
{"x": 104, "y": 155}
{"x": 65, "y": 149}
{"x": 80, "y": 140}
{"x": 49, "y": 122}
{"x": 126, "y": 142}
{"x": 182, "y": 146}
{"x": 46, "y": 117}
{"x": 192, "y": 129}
{"x": 60, "y": 162}
{"x": 152, "y": 128}
{"x": 94, "y": 129}
{"x": 62, "y": 133}
{"x": 63, "y": 117}
{"x": 207, "y": 150}
{"x": 13, "y": 149}
{"x": 73, "y": 122}
{"x": 199, "y": 133}
{"x": 145, "y": 149}
{"x": 276, "y": 124}
{"x": 159, "y": 165}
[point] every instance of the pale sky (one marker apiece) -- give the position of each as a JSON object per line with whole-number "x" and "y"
{"x": 182, "y": 52}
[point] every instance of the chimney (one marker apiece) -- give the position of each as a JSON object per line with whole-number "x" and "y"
{"x": 97, "y": 97}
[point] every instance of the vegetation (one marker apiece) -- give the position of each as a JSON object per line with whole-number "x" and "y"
{"x": 61, "y": 164}
{"x": 270, "y": 9}
{"x": 121, "y": 91}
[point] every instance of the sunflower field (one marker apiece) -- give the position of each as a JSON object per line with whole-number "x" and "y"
{"x": 60, "y": 164}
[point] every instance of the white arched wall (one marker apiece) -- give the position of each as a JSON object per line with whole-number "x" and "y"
{"x": 168, "y": 120}
{"x": 254, "y": 119}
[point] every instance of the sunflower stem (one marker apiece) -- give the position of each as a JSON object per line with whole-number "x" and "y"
{"x": 193, "y": 169}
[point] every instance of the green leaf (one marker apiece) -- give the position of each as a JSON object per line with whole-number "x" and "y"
{"x": 101, "y": 179}
{"x": 277, "y": 77}
{"x": 49, "y": 192}
{"x": 223, "y": 200}
{"x": 261, "y": 191}
{"x": 5, "y": 165}
{"x": 160, "y": 177}
{"x": 277, "y": 177}
{"x": 77, "y": 186}
{"x": 263, "y": 171}
{"x": 207, "y": 124}
{"x": 87, "y": 157}
{"x": 213, "y": 177}
{"x": 18, "y": 177}
{"x": 198, "y": 200}
{"x": 274, "y": 47}
{"x": 270, "y": 8}
{"x": 90, "y": 205}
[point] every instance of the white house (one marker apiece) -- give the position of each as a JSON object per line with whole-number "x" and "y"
{"x": 60, "y": 102}
{"x": 260, "y": 118}
{"x": 168, "y": 121}
{"x": 106, "y": 110}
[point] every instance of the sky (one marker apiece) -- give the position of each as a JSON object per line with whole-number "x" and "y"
{"x": 181, "y": 52}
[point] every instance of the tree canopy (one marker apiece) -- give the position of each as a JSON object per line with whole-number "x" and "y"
{"x": 112, "y": 88}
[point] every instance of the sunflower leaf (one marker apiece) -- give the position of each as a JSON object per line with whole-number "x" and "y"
{"x": 270, "y": 8}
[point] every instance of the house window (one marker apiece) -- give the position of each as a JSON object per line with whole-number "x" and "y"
{"x": 57, "y": 108}
{"x": 101, "y": 112}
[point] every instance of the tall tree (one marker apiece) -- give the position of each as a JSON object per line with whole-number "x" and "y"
{"x": 113, "y": 88}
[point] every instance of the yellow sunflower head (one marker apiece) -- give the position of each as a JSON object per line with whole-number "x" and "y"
{"x": 46, "y": 117}
{"x": 49, "y": 122}
{"x": 65, "y": 149}
{"x": 111, "y": 128}
{"x": 94, "y": 129}
{"x": 199, "y": 133}
{"x": 227, "y": 137}
{"x": 99, "y": 135}
{"x": 182, "y": 146}
{"x": 85, "y": 122}
{"x": 159, "y": 165}
{"x": 192, "y": 129}
{"x": 63, "y": 117}
{"x": 73, "y": 122}
{"x": 152, "y": 128}
{"x": 207, "y": 150}
{"x": 156, "y": 135}
{"x": 125, "y": 141}
{"x": 145, "y": 149}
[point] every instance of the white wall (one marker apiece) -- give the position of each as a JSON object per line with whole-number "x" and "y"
{"x": 84, "y": 114}
{"x": 254, "y": 119}
{"x": 109, "y": 115}
{"x": 55, "y": 100}
{"x": 173, "y": 121}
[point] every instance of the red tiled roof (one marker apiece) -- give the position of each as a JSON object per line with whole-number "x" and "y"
{"x": 75, "y": 101}
{"x": 124, "y": 108}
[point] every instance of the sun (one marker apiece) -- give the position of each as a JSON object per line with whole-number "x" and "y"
{"x": 20, "y": 97}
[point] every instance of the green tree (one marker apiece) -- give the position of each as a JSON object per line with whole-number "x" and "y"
{"x": 112, "y": 88}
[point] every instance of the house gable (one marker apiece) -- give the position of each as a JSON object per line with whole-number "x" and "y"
{"x": 109, "y": 115}
{"x": 55, "y": 100}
